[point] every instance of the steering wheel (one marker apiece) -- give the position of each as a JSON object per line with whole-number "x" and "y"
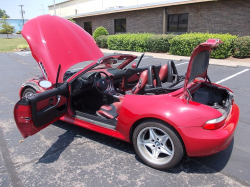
{"x": 103, "y": 85}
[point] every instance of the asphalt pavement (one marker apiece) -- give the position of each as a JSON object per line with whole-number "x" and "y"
{"x": 67, "y": 155}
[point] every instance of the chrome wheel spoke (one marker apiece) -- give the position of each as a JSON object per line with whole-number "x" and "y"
{"x": 166, "y": 151}
{"x": 147, "y": 143}
{"x": 155, "y": 152}
{"x": 163, "y": 139}
{"x": 152, "y": 134}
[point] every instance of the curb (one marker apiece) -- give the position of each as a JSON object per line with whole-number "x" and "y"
{"x": 218, "y": 62}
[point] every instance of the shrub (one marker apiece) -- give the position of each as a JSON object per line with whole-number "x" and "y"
{"x": 99, "y": 32}
{"x": 185, "y": 44}
{"x": 241, "y": 47}
{"x": 101, "y": 41}
{"x": 18, "y": 32}
{"x": 23, "y": 46}
{"x": 73, "y": 21}
{"x": 129, "y": 42}
{"x": 159, "y": 43}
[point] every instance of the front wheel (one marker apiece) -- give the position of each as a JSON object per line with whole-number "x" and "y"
{"x": 28, "y": 92}
{"x": 157, "y": 144}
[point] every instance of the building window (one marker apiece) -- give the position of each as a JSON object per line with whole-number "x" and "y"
{"x": 178, "y": 23}
{"x": 76, "y": 11}
{"x": 120, "y": 25}
{"x": 88, "y": 27}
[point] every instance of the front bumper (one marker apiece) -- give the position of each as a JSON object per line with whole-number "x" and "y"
{"x": 201, "y": 142}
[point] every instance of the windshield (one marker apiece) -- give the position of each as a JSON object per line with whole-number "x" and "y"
{"x": 118, "y": 61}
{"x": 110, "y": 63}
{"x": 75, "y": 68}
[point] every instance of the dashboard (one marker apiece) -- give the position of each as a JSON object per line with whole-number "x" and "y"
{"x": 86, "y": 81}
{"x": 83, "y": 83}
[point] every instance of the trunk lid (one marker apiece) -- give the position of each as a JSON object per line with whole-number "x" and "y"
{"x": 199, "y": 61}
{"x": 54, "y": 40}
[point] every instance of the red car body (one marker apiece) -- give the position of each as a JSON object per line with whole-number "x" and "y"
{"x": 55, "y": 41}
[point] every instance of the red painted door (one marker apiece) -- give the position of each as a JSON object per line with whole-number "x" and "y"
{"x": 36, "y": 112}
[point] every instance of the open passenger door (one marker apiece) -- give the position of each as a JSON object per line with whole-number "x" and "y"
{"x": 36, "y": 112}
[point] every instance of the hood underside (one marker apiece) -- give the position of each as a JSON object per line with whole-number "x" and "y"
{"x": 54, "y": 40}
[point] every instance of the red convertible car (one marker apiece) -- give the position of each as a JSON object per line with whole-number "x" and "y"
{"x": 163, "y": 114}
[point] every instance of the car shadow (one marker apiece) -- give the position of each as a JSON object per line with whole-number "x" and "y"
{"x": 210, "y": 164}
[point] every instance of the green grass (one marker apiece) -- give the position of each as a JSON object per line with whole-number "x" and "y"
{"x": 8, "y": 45}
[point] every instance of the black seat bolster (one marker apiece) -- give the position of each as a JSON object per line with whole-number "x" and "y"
{"x": 112, "y": 111}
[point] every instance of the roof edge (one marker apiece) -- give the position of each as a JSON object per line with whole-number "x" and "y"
{"x": 59, "y": 3}
{"x": 139, "y": 7}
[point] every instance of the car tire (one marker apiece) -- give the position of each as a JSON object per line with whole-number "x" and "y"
{"x": 28, "y": 91}
{"x": 158, "y": 144}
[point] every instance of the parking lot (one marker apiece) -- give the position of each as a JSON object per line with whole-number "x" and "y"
{"x": 67, "y": 155}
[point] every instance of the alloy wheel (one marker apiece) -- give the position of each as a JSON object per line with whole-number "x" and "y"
{"x": 155, "y": 145}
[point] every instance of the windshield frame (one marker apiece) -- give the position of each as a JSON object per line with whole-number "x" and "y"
{"x": 99, "y": 61}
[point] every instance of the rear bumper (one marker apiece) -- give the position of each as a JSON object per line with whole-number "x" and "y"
{"x": 201, "y": 142}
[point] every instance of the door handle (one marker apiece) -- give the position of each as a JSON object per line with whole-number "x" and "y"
{"x": 52, "y": 107}
{"x": 51, "y": 101}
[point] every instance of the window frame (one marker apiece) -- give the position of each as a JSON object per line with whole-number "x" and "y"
{"x": 115, "y": 20}
{"x": 178, "y": 23}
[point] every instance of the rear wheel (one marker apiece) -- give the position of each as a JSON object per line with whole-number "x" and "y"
{"x": 157, "y": 144}
{"x": 28, "y": 91}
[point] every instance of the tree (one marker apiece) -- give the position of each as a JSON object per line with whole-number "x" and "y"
{"x": 6, "y": 27}
{"x": 3, "y": 13}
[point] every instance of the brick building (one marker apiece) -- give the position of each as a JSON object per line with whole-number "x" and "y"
{"x": 178, "y": 16}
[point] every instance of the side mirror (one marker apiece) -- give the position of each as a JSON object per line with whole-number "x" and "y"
{"x": 114, "y": 61}
{"x": 45, "y": 84}
{"x": 133, "y": 65}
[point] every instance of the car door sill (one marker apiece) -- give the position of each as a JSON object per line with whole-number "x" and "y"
{"x": 107, "y": 123}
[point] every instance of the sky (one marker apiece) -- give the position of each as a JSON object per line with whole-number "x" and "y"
{"x": 32, "y": 8}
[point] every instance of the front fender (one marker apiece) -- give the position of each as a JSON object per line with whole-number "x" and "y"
{"x": 176, "y": 112}
{"x": 32, "y": 83}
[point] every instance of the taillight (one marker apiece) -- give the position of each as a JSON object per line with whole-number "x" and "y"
{"x": 233, "y": 99}
{"x": 215, "y": 123}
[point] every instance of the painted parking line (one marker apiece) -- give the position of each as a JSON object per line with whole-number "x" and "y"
{"x": 232, "y": 76}
{"x": 138, "y": 58}
{"x": 25, "y": 53}
{"x": 181, "y": 63}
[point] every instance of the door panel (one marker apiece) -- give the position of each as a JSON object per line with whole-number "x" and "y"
{"x": 34, "y": 113}
{"x": 50, "y": 101}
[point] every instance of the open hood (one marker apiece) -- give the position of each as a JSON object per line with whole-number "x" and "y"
{"x": 54, "y": 40}
{"x": 199, "y": 61}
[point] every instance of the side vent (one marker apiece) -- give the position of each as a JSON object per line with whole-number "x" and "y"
{"x": 43, "y": 70}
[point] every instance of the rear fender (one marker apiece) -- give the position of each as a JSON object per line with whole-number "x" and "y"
{"x": 174, "y": 111}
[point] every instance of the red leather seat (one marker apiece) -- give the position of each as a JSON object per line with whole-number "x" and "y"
{"x": 138, "y": 88}
{"x": 110, "y": 111}
{"x": 163, "y": 72}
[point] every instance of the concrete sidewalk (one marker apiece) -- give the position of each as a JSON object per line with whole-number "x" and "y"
{"x": 219, "y": 62}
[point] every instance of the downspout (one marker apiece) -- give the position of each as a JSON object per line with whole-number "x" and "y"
{"x": 164, "y": 21}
